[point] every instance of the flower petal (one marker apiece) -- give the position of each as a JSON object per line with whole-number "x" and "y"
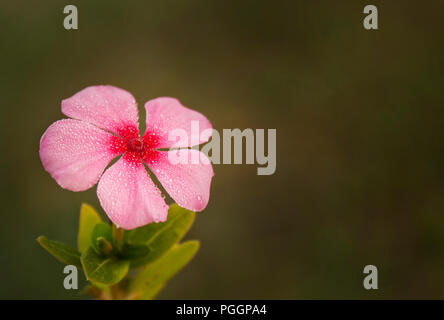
{"x": 188, "y": 182}
{"x": 128, "y": 195}
{"x": 75, "y": 153}
{"x": 163, "y": 115}
{"x": 107, "y": 107}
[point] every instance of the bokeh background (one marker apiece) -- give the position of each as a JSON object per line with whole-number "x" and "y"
{"x": 360, "y": 141}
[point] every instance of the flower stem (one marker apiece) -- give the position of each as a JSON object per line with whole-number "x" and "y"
{"x": 118, "y": 236}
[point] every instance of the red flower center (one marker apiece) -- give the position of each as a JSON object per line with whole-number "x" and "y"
{"x": 135, "y": 145}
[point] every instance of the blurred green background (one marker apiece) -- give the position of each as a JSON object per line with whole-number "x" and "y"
{"x": 359, "y": 117}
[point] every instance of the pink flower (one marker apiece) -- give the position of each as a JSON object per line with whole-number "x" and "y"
{"x": 104, "y": 125}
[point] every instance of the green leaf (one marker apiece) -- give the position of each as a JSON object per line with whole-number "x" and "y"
{"x": 102, "y": 270}
{"x": 154, "y": 276}
{"x": 88, "y": 219}
{"x": 160, "y": 237}
{"x": 102, "y": 238}
{"x": 135, "y": 251}
{"x": 61, "y": 251}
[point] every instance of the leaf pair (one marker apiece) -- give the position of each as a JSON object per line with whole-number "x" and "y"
{"x": 106, "y": 254}
{"x": 157, "y": 238}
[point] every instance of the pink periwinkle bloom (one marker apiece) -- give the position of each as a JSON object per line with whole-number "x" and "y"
{"x": 104, "y": 124}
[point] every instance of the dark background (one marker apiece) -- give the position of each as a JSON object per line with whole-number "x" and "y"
{"x": 359, "y": 117}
